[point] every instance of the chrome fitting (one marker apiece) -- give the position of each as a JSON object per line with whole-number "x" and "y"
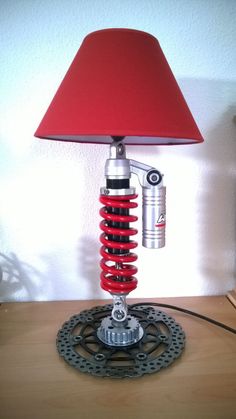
{"x": 119, "y": 311}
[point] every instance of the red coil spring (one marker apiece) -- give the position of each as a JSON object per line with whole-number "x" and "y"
{"x": 117, "y": 278}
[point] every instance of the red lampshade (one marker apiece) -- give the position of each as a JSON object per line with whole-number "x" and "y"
{"x": 119, "y": 84}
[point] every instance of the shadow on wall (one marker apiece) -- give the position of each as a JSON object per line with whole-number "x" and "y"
{"x": 88, "y": 265}
{"x": 217, "y": 205}
{"x": 20, "y": 281}
{"x": 16, "y": 279}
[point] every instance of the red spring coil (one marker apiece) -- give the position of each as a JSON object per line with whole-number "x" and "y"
{"x": 117, "y": 278}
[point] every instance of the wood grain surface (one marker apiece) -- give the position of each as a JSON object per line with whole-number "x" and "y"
{"x": 37, "y": 384}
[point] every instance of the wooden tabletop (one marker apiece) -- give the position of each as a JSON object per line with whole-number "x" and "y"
{"x": 37, "y": 384}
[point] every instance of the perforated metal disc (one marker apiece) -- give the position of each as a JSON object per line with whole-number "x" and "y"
{"x": 162, "y": 342}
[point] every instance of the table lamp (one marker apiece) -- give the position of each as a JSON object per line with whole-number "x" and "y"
{"x": 119, "y": 90}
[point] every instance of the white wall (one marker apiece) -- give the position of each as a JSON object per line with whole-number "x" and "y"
{"x": 49, "y": 191}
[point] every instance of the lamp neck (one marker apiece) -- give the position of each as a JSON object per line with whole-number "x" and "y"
{"x": 117, "y": 149}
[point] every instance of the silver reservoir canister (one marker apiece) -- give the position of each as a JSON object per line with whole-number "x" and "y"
{"x": 154, "y": 217}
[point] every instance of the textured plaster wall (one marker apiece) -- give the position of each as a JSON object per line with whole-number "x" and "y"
{"x": 49, "y": 191}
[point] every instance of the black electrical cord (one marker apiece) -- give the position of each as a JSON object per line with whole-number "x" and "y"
{"x": 191, "y": 313}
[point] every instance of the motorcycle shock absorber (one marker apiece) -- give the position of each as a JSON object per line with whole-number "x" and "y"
{"x": 118, "y": 271}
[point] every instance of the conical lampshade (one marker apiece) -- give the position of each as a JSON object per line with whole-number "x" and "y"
{"x": 119, "y": 84}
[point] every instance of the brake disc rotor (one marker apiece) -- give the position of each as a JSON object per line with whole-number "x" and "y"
{"x": 162, "y": 342}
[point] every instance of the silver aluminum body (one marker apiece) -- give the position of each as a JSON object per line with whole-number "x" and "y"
{"x": 153, "y": 206}
{"x": 154, "y": 216}
{"x": 118, "y": 168}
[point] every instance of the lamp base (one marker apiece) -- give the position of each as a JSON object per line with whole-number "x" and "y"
{"x": 162, "y": 342}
